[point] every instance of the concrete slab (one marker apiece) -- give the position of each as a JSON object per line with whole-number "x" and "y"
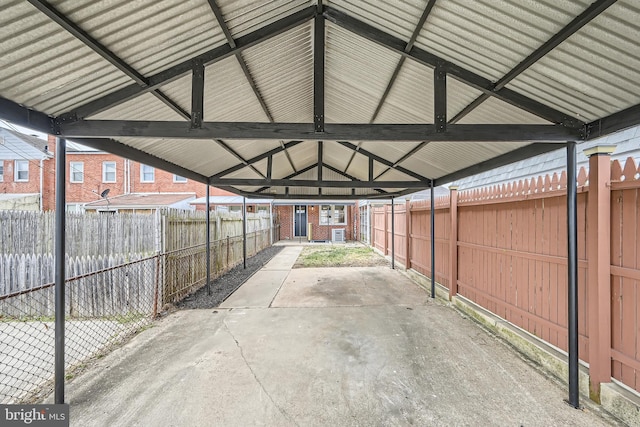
{"x": 383, "y": 365}
{"x": 356, "y": 286}
{"x": 258, "y": 291}
{"x": 378, "y": 359}
{"x": 285, "y": 259}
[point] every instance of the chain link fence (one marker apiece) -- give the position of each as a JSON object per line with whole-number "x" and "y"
{"x": 102, "y": 308}
{"x": 107, "y": 299}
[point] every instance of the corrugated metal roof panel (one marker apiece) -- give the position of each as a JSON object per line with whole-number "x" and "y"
{"x": 144, "y": 107}
{"x": 193, "y": 154}
{"x": 148, "y": 35}
{"x": 410, "y": 99}
{"x": 398, "y": 18}
{"x": 330, "y": 175}
{"x": 459, "y": 95}
{"x": 595, "y": 72}
{"x": 390, "y": 150}
{"x": 496, "y": 111}
{"x": 282, "y": 68}
{"x": 308, "y": 175}
{"x": 437, "y": 159}
{"x": 357, "y": 74}
{"x": 304, "y": 154}
{"x": 227, "y": 94}
{"x": 387, "y": 174}
{"x": 251, "y": 148}
{"x": 359, "y": 167}
{"x": 281, "y": 166}
{"x": 490, "y": 37}
{"x": 244, "y": 16}
{"x": 336, "y": 155}
{"x": 45, "y": 67}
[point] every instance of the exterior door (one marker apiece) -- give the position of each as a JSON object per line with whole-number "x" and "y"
{"x": 300, "y": 221}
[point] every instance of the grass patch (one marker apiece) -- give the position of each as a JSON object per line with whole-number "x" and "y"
{"x": 338, "y": 256}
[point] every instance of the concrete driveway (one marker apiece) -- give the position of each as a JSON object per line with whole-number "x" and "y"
{"x": 319, "y": 347}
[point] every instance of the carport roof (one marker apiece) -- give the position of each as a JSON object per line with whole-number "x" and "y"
{"x": 322, "y": 99}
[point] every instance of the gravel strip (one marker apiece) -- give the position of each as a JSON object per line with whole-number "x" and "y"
{"x": 226, "y": 284}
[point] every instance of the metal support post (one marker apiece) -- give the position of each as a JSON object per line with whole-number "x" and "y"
{"x": 572, "y": 264}
{"x": 433, "y": 243}
{"x": 244, "y": 232}
{"x": 61, "y": 148}
{"x": 208, "y": 246}
{"x": 393, "y": 234}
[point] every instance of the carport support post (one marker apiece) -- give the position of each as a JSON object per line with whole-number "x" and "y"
{"x": 433, "y": 242}
{"x": 393, "y": 234}
{"x": 599, "y": 268}
{"x": 244, "y": 232}
{"x": 572, "y": 266}
{"x": 453, "y": 242}
{"x": 61, "y": 148}
{"x": 208, "y": 235}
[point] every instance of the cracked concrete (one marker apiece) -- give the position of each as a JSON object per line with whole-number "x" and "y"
{"x": 282, "y": 411}
{"x": 335, "y": 347}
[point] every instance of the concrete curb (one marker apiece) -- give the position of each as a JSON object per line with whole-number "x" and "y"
{"x": 616, "y": 400}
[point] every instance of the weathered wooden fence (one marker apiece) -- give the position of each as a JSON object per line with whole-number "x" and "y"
{"x": 181, "y": 267}
{"x": 86, "y": 235}
{"x": 107, "y": 297}
{"x": 510, "y": 257}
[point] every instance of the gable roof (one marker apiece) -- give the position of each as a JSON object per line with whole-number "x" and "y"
{"x": 329, "y": 98}
{"x": 141, "y": 201}
{"x": 18, "y": 146}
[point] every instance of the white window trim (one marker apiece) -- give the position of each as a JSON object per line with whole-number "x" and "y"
{"x": 153, "y": 172}
{"x": 104, "y": 172}
{"x": 73, "y": 168}
{"x": 331, "y": 220}
{"x": 1, "y": 170}
{"x": 182, "y": 179}
{"x": 17, "y": 170}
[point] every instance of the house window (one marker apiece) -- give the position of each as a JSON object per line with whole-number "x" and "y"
{"x": 178, "y": 178}
{"x": 21, "y": 170}
{"x": 1, "y": 171}
{"x": 109, "y": 172}
{"x": 333, "y": 215}
{"x": 77, "y": 171}
{"x": 147, "y": 173}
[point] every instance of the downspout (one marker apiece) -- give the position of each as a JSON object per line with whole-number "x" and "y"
{"x": 41, "y": 185}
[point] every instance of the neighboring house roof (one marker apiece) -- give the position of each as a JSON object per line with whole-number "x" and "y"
{"x": 627, "y": 144}
{"x": 229, "y": 200}
{"x": 315, "y": 202}
{"x": 142, "y": 201}
{"x": 18, "y": 146}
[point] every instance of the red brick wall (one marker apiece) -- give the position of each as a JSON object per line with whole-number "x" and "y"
{"x": 9, "y": 185}
{"x": 318, "y": 232}
{"x": 89, "y": 190}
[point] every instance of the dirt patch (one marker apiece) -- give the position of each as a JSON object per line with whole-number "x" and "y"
{"x": 339, "y": 256}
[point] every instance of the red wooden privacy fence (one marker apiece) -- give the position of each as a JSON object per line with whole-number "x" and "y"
{"x": 510, "y": 257}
